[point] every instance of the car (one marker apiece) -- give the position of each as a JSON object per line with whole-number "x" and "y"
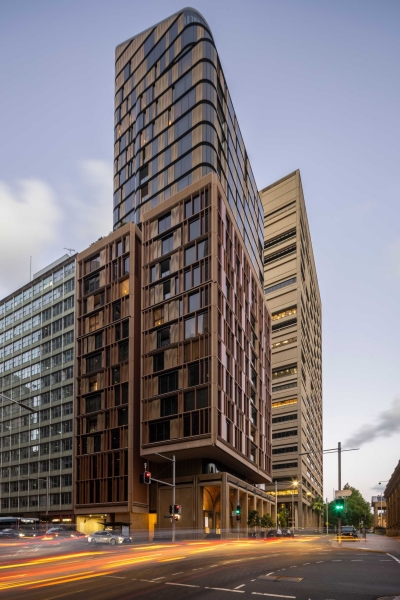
{"x": 349, "y": 531}
{"x": 62, "y": 532}
{"x": 9, "y": 533}
{"x": 286, "y": 532}
{"x": 274, "y": 533}
{"x": 106, "y": 537}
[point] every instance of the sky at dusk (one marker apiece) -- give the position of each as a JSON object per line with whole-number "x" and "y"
{"x": 315, "y": 86}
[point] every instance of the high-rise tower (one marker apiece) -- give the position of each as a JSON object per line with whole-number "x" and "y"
{"x": 182, "y": 175}
{"x": 292, "y": 294}
{"x": 37, "y": 337}
{"x": 175, "y": 122}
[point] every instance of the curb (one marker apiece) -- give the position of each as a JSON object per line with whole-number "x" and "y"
{"x": 364, "y": 550}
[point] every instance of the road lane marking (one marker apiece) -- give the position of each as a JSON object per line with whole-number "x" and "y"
{"x": 225, "y": 590}
{"x": 306, "y": 563}
{"x": 182, "y": 584}
{"x": 273, "y": 595}
{"x": 157, "y": 578}
{"x": 63, "y": 595}
{"x": 240, "y": 586}
{"x": 319, "y": 561}
{"x": 269, "y": 573}
{"x": 171, "y": 559}
{"x": 394, "y": 558}
{"x": 178, "y": 573}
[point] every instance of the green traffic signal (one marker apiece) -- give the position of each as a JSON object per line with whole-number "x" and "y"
{"x": 238, "y": 509}
{"x": 339, "y": 504}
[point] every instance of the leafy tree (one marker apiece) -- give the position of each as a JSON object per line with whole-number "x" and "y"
{"x": 253, "y": 519}
{"x": 317, "y": 506}
{"x": 356, "y": 509}
{"x": 266, "y": 521}
{"x": 283, "y": 516}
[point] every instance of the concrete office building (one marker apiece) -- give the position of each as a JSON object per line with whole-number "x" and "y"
{"x": 182, "y": 174}
{"x": 292, "y": 294}
{"x": 36, "y": 367}
{"x": 107, "y": 409}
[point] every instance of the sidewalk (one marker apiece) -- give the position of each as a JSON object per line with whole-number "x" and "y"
{"x": 374, "y": 542}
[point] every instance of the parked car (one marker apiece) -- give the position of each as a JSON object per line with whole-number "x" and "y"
{"x": 106, "y": 537}
{"x": 62, "y": 532}
{"x": 9, "y": 533}
{"x": 349, "y": 531}
{"x": 286, "y": 532}
{"x": 274, "y": 533}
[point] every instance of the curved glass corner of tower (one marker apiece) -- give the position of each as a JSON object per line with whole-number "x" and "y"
{"x": 175, "y": 122}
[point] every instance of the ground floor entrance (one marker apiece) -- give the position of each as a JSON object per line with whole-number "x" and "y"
{"x": 209, "y": 506}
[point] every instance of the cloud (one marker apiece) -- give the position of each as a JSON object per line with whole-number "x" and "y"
{"x": 40, "y": 220}
{"x": 385, "y": 424}
{"x": 29, "y": 220}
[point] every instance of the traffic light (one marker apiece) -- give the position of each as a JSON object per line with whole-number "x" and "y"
{"x": 339, "y": 505}
{"x": 170, "y": 509}
{"x": 177, "y": 509}
{"x": 238, "y": 512}
{"x": 145, "y": 477}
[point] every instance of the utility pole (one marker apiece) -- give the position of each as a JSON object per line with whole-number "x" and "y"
{"x": 339, "y": 488}
{"x": 327, "y": 517}
{"x": 173, "y": 497}
{"x": 276, "y": 504}
{"x": 171, "y": 485}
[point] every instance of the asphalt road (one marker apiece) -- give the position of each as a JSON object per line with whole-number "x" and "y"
{"x": 306, "y": 568}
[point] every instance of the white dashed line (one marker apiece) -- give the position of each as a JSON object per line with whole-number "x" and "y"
{"x": 182, "y": 584}
{"x": 178, "y": 573}
{"x": 306, "y": 563}
{"x": 273, "y": 595}
{"x": 320, "y": 561}
{"x": 240, "y": 586}
{"x": 394, "y": 558}
{"x": 225, "y": 590}
{"x": 158, "y": 578}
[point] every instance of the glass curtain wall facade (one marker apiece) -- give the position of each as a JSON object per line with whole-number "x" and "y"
{"x": 36, "y": 367}
{"x": 174, "y": 123}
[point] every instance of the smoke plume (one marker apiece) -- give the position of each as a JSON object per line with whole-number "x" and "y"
{"x": 386, "y": 424}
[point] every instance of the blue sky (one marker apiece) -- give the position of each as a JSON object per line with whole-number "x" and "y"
{"x": 315, "y": 86}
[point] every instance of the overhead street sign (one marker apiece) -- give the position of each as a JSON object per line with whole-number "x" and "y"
{"x": 342, "y": 493}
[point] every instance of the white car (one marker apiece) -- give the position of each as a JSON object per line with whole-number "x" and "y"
{"x": 105, "y": 537}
